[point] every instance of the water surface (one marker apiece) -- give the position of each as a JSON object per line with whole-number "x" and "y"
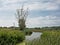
{"x": 33, "y": 36}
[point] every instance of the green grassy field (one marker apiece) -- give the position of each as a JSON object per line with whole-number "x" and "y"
{"x": 49, "y": 36}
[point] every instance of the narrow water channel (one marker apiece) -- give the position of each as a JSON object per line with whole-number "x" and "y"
{"x": 33, "y": 36}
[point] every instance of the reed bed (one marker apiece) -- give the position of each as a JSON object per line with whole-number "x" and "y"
{"x": 47, "y": 38}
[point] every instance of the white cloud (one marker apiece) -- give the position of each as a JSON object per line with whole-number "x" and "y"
{"x": 43, "y": 21}
{"x": 34, "y": 22}
{"x": 42, "y": 6}
{"x": 57, "y": 1}
{"x": 14, "y": 4}
{"x": 32, "y": 5}
{"x": 8, "y": 22}
{"x": 12, "y": 1}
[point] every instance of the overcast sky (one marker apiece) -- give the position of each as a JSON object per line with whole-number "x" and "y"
{"x": 41, "y": 12}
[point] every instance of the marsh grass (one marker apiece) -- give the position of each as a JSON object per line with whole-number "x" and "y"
{"x": 47, "y": 38}
{"x": 11, "y": 37}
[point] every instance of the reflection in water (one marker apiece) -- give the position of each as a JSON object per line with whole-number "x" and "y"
{"x": 33, "y": 36}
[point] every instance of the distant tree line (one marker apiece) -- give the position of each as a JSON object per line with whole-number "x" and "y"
{"x": 36, "y": 28}
{"x": 49, "y": 28}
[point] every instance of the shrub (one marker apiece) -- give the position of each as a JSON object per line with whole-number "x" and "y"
{"x": 9, "y": 37}
{"x": 28, "y": 32}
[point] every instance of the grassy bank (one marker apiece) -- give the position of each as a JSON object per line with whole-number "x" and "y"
{"x": 11, "y": 37}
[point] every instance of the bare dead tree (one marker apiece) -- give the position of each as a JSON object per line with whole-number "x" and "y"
{"x": 21, "y": 16}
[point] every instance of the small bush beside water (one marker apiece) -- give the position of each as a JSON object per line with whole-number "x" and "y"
{"x": 47, "y": 38}
{"x": 28, "y": 32}
{"x": 11, "y": 37}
